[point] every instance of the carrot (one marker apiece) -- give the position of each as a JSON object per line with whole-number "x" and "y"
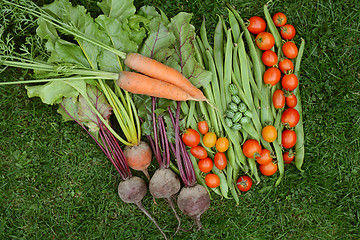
{"x": 141, "y": 84}
{"x": 155, "y": 69}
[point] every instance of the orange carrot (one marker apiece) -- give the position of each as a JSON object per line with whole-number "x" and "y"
{"x": 140, "y": 84}
{"x": 155, "y": 69}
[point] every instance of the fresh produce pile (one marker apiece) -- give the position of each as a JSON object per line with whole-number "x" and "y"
{"x": 145, "y": 87}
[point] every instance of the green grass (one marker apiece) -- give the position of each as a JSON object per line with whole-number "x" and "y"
{"x": 55, "y": 183}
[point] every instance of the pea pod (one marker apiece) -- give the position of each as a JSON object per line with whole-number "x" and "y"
{"x": 219, "y": 57}
{"x": 272, "y": 27}
{"x": 204, "y": 37}
{"x": 254, "y": 172}
{"x": 224, "y": 188}
{"x": 202, "y": 51}
{"x": 228, "y": 66}
{"x": 234, "y": 26}
{"x": 299, "y": 128}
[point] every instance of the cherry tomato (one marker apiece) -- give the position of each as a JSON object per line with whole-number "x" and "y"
{"x": 269, "y": 133}
{"x": 244, "y": 183}
{"x": 268, "y": 169}
{"x": 212, "y": 180}
{"x": 288, "y": 157}
{"x": 269, "y": 58}
{"x": 265, "y": 40}
{"x": 191, "y": 138}
{"x": 222, "y": 144}
{"x": 287, "y": 32}
{"x": 220, "y": 160}
{"x": 209, "y": 139}
{"x": 279, "y": 19}
{"x": 290, "y": 117}
{"x": 286, "y": 65}
{"x": 290, "y": 50}
{"x": 205, "y": 165}
{"x": 250, "y": 147}
{"x": 256, "y": 25}
{"x": 278, "y": 99}
{"x": 289, "y": 82}
{"x": 199, "y": 152}
{"x": 203, "y": 127}
{"x": 265, "y": 157}
{"x": 291, "y": 100}
{"x": 272, "y": 76}
{"x": 288, "y": 138}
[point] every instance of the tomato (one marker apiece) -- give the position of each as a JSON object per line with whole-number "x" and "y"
{"x": 205, "y": 165}
{"x": 265, "y": 157}
{"x": 220, "y": 160}
{"x": 203, "y": 127}
{"x": 287, "y": 32}
{"x": 269, "y": 58}
{"x": 272, "y": 76}
{"x": 290, "y": 50}
{"x": 279, "y": 19}
{"x": 199, "y": 152}
{"x": 191, "y": 138}
{"x": 286, "y": 65}
{"x": 290, "y": 117}
{"x": 256, "y": 25}
{"x": 209, "y": 139}
{"x": 289, "y": 82}
{"x": 250, "y": 147}
{"x": 244, "y": 183}
{"x": 288, "y": 157}
{"x": 291, "y": 100}
{"x": 268, "y": 169}
{"x": 288, "y": 138}
{"x": 269, "y": 133}
{"x": 278, "y": 99}
{"x": 265, "y": 40}
{"x": 222, "y": 144}
{"x": 212, "y": 180}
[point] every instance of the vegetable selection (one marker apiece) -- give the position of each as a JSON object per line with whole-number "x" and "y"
{"x": 216, "y": 116}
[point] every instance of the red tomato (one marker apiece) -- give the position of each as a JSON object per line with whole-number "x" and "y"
{"x": 289, "y": 82}
{"x": 272, "y": 76}
{"x": 250, "y": 147}
{"x": 222, "y": 144}
{"x": 269, "y": 133}
{"x": 203, "y": 127}
{"x": 278, "y": 99}
{"x": 209, "y": 139}
{"x": 279, "y": 19}
{"x": 288, "y": 138}
{"x": 265, "y": 157}
{"x": 269, "y": 58}
{"x": 291, "y": 100}
{"x": 220, "y": 160}
{"x": 199, "y": 152}
{"x": 268, "y": 169}
{"x": 290, "y": 50}
{"x": 256, "y": 25}
{"x": 288, "y": 157}
{"x": 290, "y": 117}
{"x": 191, "y": 138}
{"x": 244, "y": 183}
{"x": 205, "y": 165}
{"x": 287, "y": 32}
{"x": 286, "y": 65}
{"x": 265, "y": 40}
{"x": 212, "y": 180}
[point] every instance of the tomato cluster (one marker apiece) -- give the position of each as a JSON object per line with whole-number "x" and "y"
{"x": 192, "y": 138}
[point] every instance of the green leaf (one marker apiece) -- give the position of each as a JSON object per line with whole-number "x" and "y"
{"x": 118, "y": 9}
{"x": 69, "y": 106}
{"x": 185, "y": 52}
{"x": 70, "y": 53}
{"x": 52, "y": 92}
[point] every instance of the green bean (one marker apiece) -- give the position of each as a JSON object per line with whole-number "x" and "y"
{"x": 253, "y": 169}
{"x": 241, "y": 92}
{"x": 227, "y": 67}
{"x": 204, "y": 37}
{"x": 231, "y": 155}
{"x": 198, "y": 54}
{"x": 202, "y": 51}
{"x": 272, "y": 27}
{"x": 234, "y": 25}
{"x": 299, "y": 128}
{"x": 205, "y": 113}
{"x": 224, "y": 188}
{"x": 219, "y": 58}
{"x": 279, "y": 159}
{"x": 236, "y": 69}
{"x": 190, "y": 116}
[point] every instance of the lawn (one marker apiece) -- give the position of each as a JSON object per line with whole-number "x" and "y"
{"x": 55, "y": 183}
